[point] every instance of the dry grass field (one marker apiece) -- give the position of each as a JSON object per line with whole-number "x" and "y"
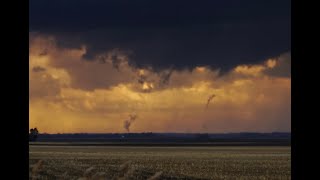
{"x": 129, "y": 162}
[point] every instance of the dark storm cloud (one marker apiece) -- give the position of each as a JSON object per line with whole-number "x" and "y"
{"x": 163, "y": 34}
{"x": 283, "y": 67}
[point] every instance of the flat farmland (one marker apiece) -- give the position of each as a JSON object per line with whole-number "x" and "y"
{"x": 139, "y": 162}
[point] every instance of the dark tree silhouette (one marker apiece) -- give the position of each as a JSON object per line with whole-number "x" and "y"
{"x": 33, "y": 134}
{"x": 30, "y": 135}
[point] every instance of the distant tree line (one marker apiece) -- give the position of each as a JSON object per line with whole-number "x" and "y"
{"x": 161, "y": 137}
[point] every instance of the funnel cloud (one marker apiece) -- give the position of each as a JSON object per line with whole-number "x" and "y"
{"x": 128, "y": 122}
{"x": 209, "y": 100}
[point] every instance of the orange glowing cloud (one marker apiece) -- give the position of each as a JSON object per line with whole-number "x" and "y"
{"x": 68, "y": 94}
{"x": 271, "y": 63}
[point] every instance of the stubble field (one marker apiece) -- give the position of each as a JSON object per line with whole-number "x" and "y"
{"x": 129, "y": 162}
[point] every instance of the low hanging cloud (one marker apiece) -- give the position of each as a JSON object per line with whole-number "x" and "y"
{"x": 71, "y": 91}
{"x": 165, "y": 77}
{"x": 38, "y": 69}
{"x": 44, "y": 86}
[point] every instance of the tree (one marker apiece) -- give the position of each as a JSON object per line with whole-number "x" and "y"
{"x": 33, "y": 134}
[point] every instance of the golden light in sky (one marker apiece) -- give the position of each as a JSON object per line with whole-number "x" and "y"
{"x": 271, "y": 63}
{"x": 68, "y": 94}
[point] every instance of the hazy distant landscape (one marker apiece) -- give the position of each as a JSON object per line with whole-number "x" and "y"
{"x": 277, "y": 138}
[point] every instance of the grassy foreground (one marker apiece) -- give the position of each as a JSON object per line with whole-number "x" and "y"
{"x": 107, "y": 162}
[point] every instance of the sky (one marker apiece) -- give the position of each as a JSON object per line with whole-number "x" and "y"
{"x": 159, "y": 66}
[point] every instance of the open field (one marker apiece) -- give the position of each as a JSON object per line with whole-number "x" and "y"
{"x": 130, "y": 162}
